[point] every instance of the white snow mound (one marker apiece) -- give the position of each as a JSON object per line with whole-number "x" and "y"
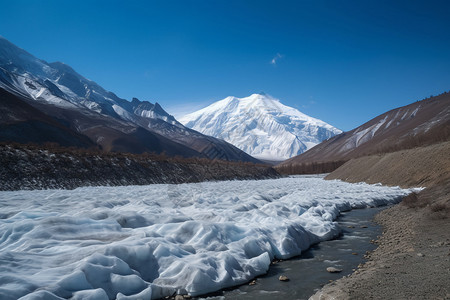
{"x": 148, "y": 242}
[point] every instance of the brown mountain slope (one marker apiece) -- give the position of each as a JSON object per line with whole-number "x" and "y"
{"x": 421, "y": 123}
{"x": 23, "y": 120}
{"x": 115, "y": 135}
{"x": 20, "y": 122}
{"x": 418, "y": 167}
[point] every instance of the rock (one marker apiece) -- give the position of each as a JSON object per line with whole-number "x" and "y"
{"x": 354, "y": 253}
{"x": 364, "y": 226}
{"x": 179, "y": 297}
{"x": 253, "y": 282}
{"x": 334, "y": 270}
{"x": 420, "y": 254}
{"x": 275, "y": 261}
{"x": 283, "y": 278}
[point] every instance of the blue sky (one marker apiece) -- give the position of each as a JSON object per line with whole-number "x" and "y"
{"x": 344, "y": 62}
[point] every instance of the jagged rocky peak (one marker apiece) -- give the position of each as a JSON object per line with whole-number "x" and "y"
{"x": 147, "y": 109}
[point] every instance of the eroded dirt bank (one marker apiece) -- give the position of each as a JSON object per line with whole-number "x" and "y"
{"x": 425, "y": 166}
{"x": 413, "y": 257}
{"x": 24, "y": 167}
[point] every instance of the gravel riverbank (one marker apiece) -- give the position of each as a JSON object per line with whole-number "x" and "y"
{"x": 412, "y": 260}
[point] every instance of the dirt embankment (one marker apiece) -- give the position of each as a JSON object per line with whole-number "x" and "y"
{"x": 413, "y": 257}
{"x": 426, "y": 166}
{"x": 31, "y": 168}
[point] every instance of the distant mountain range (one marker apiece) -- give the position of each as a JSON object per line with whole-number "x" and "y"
{"x": 50, "y": 102}
{"x": 261, "y": 126}
{"x": 418, "y": 124}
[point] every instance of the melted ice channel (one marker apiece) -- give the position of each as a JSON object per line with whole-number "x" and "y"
{"x": 147, "y": 242}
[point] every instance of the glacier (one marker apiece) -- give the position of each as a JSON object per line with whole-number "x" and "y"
{"x": 137, "y": 242}
{"x": 261, "y": 126}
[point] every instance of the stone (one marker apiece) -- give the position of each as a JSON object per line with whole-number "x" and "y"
{"x": 283, "y": 278}
{"x": 275, "y": 261}
{"x": 253, "y": 282}
{"x": 179, "y": 297}
{"x": 334, "y": 270}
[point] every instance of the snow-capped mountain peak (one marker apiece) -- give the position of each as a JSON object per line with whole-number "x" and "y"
{"x": 261, "y": 126}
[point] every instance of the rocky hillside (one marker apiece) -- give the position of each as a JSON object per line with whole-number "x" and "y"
{"x": 419, "y": 124}
{"x": 29, "y": 167}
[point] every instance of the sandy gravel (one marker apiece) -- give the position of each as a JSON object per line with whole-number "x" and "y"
{"x": 413, "y": 257}
{"x": 411, "y": 262}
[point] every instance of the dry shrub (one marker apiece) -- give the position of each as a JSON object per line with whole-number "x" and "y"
{"x": 309, "y": 168}
{"x": 440, "y": 211}
{"x": 438, "y": 207}
{"x": 413, "y": 201}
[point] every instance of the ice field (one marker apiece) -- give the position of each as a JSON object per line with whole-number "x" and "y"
{"x": 147, "y": 242}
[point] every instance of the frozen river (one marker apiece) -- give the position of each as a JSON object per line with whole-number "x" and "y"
{"x": 147, "y": 242}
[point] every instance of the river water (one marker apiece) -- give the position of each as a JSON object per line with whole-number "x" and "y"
{"x": 307, "y": 273}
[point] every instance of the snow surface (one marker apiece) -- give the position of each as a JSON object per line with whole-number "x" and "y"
{"x": 147, "y": 242}
{"x": 261, "y": 126}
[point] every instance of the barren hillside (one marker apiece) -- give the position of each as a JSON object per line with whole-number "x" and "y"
{"x": 419, "y": 124}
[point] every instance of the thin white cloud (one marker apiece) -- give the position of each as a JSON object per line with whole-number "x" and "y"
{"x": 275, "y": 59}
{"x": 310, "y": 103}
{"x": 181, "y": 109}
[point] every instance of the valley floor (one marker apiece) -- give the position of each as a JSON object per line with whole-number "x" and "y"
{"x": 413, "y": 257}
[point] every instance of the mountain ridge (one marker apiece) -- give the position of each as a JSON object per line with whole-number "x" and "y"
{"x": 111, "y": 122}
